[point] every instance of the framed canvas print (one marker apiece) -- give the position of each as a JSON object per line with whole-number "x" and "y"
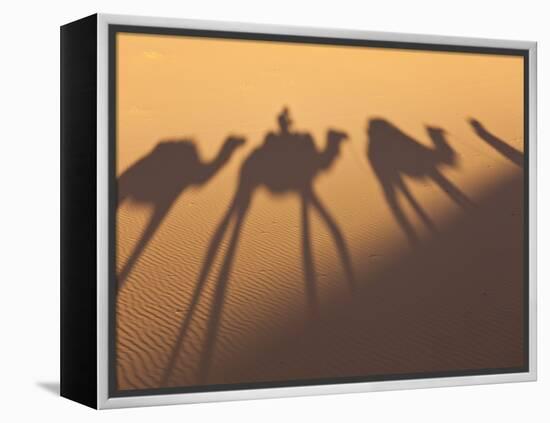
{"x": 253, "y": 211}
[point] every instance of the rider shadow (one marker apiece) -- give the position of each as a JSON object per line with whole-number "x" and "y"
{"x": 159, "y": 178}
{"x": 395, "y": 156}
{"x": 286, "y": 163}
{"x": 515, "y": 156}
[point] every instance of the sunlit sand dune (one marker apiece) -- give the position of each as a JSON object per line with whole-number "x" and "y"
{"x": 254, "y": 246}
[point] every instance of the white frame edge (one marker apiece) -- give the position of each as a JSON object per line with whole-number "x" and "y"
{"x": 103, "y": 400}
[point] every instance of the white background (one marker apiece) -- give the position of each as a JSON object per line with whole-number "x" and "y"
{"x": 29, "y": 236}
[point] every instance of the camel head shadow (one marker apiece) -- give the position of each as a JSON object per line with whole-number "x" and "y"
{"x": 395, "y": 157}
{"x": 160, "y": 177}
{"x": 506, "y": 150}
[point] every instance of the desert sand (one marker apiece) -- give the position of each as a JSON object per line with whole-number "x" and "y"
{"x": 406, "y": 258}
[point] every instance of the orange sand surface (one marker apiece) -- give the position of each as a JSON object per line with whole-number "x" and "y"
{"x": 406, "y": 258}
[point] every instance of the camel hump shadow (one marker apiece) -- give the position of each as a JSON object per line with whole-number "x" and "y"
{"x": 392, "y": 152}
{"x": 160, "y": 177}
{"x": 289, "y": 161}
{"x": 172, "y": 163}
{"x": 167, "y": 169}
{"x": 395, "y": 156}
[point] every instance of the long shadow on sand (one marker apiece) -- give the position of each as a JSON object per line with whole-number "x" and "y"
{"x": 515, "y": 156}
{"x": 395, "y": 156}
{"x": 159, "y": 178}
{"x": 286, "y": 163}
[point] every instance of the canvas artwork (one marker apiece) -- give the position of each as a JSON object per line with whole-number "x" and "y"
{"x": 256, "y": 211}
{"x": 305, "y": 213}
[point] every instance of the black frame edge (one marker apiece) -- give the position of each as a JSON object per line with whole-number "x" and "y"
{"x": 78, "y": 264}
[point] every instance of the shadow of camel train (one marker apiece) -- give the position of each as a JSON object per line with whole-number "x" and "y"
{"x": 286, "y": 163}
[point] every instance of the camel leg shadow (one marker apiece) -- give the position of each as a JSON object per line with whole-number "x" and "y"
{"x": 390, "y": 191}
{"x": 398, "y": 214}
{"x": 309, "y": 269}
{"x": 417, "y": 207}
{"x": 238, "y": 209}
{"x": 219, "y": 296}
{"x": 155, "y": 220}
{"x": 337, "y": 236}
{"x": 452, "y": 191}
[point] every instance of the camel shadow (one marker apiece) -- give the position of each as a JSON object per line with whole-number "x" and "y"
{"x": 395, "y": 156}
{"x": 515, "y": 156}
{"x": 159, "y": 178}
{"x": 286, "y": 163}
